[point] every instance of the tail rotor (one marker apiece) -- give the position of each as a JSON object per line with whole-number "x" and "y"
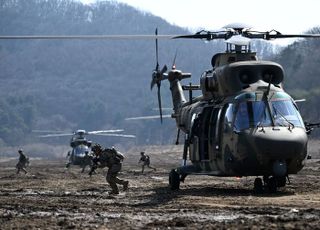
{"x": 158, "y": 76}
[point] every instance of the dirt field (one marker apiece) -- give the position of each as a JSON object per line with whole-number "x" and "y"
{"x": 48, "y": 197}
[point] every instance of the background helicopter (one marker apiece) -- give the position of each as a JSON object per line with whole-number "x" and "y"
{"x": 244, "y": 123}
{"x": 80, "y": 145}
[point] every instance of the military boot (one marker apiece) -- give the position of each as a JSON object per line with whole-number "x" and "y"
{"x": 114, "y": 192}
{"x": 125, "y": 185}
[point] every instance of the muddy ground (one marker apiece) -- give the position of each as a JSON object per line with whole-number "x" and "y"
{"x": 49, "y": 197}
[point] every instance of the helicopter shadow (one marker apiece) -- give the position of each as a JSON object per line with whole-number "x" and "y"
{"x": 162, "y": 194}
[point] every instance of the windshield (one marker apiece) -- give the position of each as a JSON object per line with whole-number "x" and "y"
{"x": 284, "y": 112}
{"x": 251, "y": 114}
{"x": 255, "y": 113}
{"x": 80, "y": 150}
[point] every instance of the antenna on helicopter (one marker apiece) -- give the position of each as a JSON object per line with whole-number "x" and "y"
{"x": 157, "y": 75}
{"x": 174, "y": 60}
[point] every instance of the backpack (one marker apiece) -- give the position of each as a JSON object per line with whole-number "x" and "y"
{"x": 119, "y": 156}
{"x": 116, "y": 155}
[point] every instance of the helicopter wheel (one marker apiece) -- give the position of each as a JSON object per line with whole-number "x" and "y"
{"x": 272, "y": 184}
{"x": 258, "y": 186}
{"x": 174, "y": 180}
{"x": 281, "y": 181}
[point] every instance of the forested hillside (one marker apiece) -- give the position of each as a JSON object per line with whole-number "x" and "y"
{"x": 77, "y": 84}
{"x": 96, "y": 84}
{"x": 301, "y": 62}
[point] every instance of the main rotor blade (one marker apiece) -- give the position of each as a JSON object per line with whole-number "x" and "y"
{"x": 66, "y": 37}
{"x": 105, "y": 131}
{"x": 57, "y": 135}
{"x": 148, "y": 117}
{"x": 47, "y": 131}
{"x": 116, "y": 135}
{"x": 162, "y": 109}
{"x": 269, "y": 35}
{"x": 208, "y": 36}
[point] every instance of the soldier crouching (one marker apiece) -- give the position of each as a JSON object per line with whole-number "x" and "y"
{"x": 113, "y": 160}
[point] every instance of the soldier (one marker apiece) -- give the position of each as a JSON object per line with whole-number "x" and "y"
{"x": 69, "y": 160}
{"x": 113, "y": 160}
{"x": 145, "y": 161}
{"x": 22, "y": 163}
{"x": 98, "y": 159}
{"x": 87, "y": 160}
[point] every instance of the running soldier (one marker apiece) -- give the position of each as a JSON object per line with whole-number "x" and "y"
{"x": 69, "y": 160}
{"x": 145, "y": 161}
{"x": 112, "y": 159}
{"x": 22, "y": 163}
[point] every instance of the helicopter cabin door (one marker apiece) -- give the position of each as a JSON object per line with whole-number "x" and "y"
{"x": 203, "y": 124}
{"x": 214, "y": 137}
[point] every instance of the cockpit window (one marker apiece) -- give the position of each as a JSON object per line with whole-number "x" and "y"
{"x": 251, "y": 114}
{"x": 229, "y": 116}
{"x": 80, "y": 150}
{"x": 285, "y": 113}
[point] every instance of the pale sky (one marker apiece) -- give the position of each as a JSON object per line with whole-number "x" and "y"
{"x": 286, "y": 16}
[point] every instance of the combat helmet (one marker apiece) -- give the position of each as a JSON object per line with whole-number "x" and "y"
{"x": 96, "y": 148}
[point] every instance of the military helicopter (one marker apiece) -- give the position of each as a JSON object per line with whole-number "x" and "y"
{"x": 244, "y": 123}
{"x": 81, "y": 146}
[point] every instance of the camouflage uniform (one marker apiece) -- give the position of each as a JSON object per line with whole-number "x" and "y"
{"x": 145, "y": 160}
{"x": 22, "y": 163}
{"x": 113, "y": 160}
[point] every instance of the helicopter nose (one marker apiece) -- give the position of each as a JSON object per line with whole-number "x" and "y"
{"x": 281, "y": 143}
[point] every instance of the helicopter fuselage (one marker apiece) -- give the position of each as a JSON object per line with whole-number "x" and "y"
{"x": 78, "y": 154}
{"x": 227, "y": 139}
{"x": 80, "y": 149}
{"x": 244, "y": 124}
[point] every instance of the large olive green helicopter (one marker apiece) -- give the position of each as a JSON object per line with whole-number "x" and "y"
{"x": 244, "y": 123}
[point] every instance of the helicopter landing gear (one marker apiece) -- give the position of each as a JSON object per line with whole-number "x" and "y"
{"x": 269, "y": 184}
{"x": 68, "y": 165}
{"x": 183, "y": 177}
{"x": 272, "y": 184}
{"x": 258, "y": 185}
{"x": 281, "y": 181}
{"x": 174, "y": 180}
